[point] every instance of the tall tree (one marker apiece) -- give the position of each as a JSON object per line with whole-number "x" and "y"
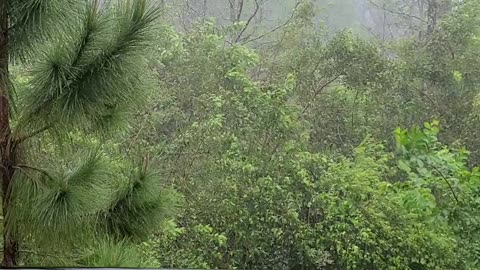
{"x": 86, "y": 63}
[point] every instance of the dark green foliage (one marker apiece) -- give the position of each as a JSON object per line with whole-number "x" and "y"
{"x": 139, "y": 204}
{"x": 73, "y": 200}
{"x": 36, "y": 21}
{"x": 59, "y": 207}
{"x": 93, "y": 71}
{"x": 88, "y": 199}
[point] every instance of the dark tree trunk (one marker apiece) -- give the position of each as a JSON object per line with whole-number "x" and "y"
{"x": 7, "y": 147}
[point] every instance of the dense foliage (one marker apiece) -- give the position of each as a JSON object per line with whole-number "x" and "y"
{"x": 302, "y": 149}
{"x": 287, "y": 155}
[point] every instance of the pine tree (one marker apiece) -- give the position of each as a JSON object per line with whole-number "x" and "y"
{"x": 85, "y": 68}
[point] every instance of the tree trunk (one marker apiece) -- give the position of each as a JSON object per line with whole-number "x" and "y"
{"x": 7, "y": 147}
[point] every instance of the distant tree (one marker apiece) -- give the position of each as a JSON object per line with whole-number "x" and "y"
{"x": 404, "y": 18}
{"x": 85, "y": 62}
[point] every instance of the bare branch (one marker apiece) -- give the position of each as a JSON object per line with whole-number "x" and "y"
{"x": 239, "y": 14}
{"x": 318, "y": 91}
{"x": 247, "y": 40}
{"x": 257, "y": 7}
{"x": 396, "y": 12}
{"x": 232, "y": 10}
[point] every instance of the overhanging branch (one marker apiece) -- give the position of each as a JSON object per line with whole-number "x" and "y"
{"x": 31, "y": 135}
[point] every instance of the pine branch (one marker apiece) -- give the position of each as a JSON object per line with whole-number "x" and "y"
{"x": 31, "y": 135}
{"x": 34, "y": 21}
{"x": 23, "y": 166}
{"x": 77, "y": 87}
{"x": 138, "y": 205}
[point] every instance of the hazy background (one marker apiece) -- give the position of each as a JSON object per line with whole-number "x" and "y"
{"x": 384, "y": 19}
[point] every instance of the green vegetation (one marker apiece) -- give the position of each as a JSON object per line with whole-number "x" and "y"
{"x": 68, "y": 197}
{"x": 127, "y": 143}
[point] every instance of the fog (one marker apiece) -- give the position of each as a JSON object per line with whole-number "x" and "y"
{"x": 384, "y": 19}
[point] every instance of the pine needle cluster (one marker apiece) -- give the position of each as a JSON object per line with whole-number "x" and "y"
{"x": 85, "y": 63}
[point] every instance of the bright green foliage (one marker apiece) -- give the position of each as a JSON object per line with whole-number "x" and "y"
{"x": 114, "y": 254}
{"x": 450, "y": 191}
{"x": 269, "y": 148}
{"x": 258, "y": 197}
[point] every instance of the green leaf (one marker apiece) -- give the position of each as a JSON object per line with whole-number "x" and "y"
{"x": 404, "y": 166}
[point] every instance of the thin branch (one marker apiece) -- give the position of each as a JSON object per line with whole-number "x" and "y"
{"x": 21, "y": 166}
{"x": 446, "y": 181}
{"x": 318, "y": 91}
{"x": 195, "y": 12}
{"x": 397, "y": 12}
{"x": 257, "y": 8}
{"x": 232, "y": 11}
{"x": 275, "y": 28}
{"x": 239, "y": 14}
{"x": 31, "y": 135}
{"x": 353, "y": 109}
{"x": 135, "y": 138}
